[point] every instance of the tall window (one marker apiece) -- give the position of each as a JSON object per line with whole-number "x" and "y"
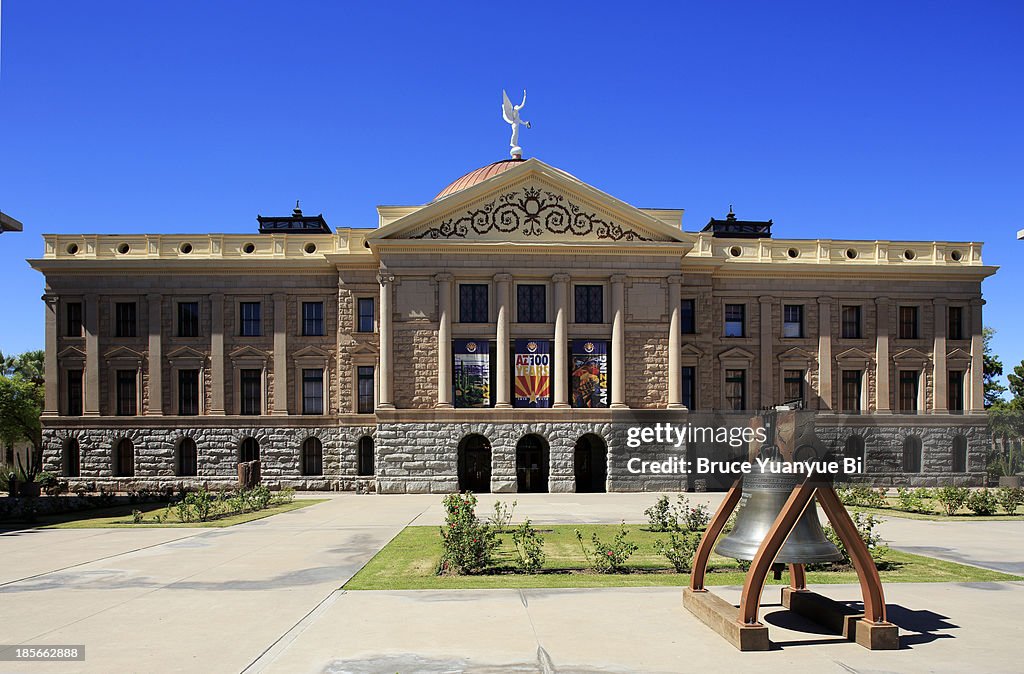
{"x": 955, "y": 391}
{"x": 188, "y": 458}
{"x": 366, "y": 314}
{"x": 956, "y": 323}
{"x": 793, "y": 385}
{"x": 908, "y": 390}
{"x": 124, "y": 458}
{"x": 188, "y": 319}
{"x": 313, "y": 391}
{"x": 74, "y": 393}
{"x": 793, "y": 320}
{"x": 589, "y": 301}
{"x": 854, "y": 447}
{"x": 312, "y": 457}
{"x": 313, "y": 319}
{"x": 188, "y": 392}
{"x": 364, "y": 375}
{"x": 250, "y": 324}
{"x": 365, "y": 458}
{"x": 689, "y": 387}
{"x": 735, "y": 320}
{"x": 908, "y": 323}
{"x": 912, "y": 454}
{"x": 530, "y": 303}
{"x": 73, "y": 319}
{"x": 959, "y": 454}
{"x": 72, "y": 458}
{"x": 852, "y": 383}
{"x": 688, "y": 317}
{"x": 736, "y": 389}
{"x": 249, "y": 450}
{"x": 851, "y": 322}
{"x": 472, "y": 302}
{"x": 124, "y": 319}
{"x": 252, "y": 394}
{"x": 126, "y": 393}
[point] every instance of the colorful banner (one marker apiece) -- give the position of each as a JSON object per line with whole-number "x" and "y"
{"x": 589, "y": 373}
{"x": 533, "y": 373}
{"x": 472, "y": 373}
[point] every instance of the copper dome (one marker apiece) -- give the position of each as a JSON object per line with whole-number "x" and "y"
{"x": 478, "y": 176}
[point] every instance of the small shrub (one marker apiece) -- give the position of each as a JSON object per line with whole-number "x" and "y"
{"x": 184, "y": 510}
{"x": 259, "y": 497}
{"x": 679, "y": 549}
{"x": 909, "y": 500}
{"x": 863, "y": 496}
{"x": 286, "y": 495}
{"x": 502, "y": 516}
{"x": 952, "y": 498}
{"x": 663, "y": 516}
{"x": 659, "y": 515}
{"x": 608, "y": 557}
{"x": 137, "y": 517}
{"x": 529, "y": 546}
{"x": 697, "y": 518}
{"x": 202, "y": 504}
{"x": 982, "y": 502}
{"x": 866, "y": 528}
{"x": 468, "y": 544}
{"x": 1010, "y": 499}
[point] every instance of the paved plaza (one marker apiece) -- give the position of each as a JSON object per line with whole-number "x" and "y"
{"x": 264, "y": 597}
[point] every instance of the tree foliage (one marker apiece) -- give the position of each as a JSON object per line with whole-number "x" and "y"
{"x": 992, "y": 369}
{"x": 21, "y": 400}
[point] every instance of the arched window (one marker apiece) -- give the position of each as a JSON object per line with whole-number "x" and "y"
{"x": 912, "y": 454}
{"x": 250, "y": 450}
{"x": 312, "y": 457}
{"x": 959, "y": 454}
{"x": 188, "y": 458}
{"x": 854, "y": 448}
{"x": 366, "y": 455}
{"x": 72, "y": 458}
{"x": 124, "y": 458}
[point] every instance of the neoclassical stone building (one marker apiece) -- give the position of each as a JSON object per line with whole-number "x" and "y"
{"x": 502, "y": 337}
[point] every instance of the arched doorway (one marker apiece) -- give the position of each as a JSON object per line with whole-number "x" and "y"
{"x": 364, "y": 460}
{"x": 72, "y": 458}
{"x": 188, "y": 458}
{"x": 532, "y": 464}
{"x": 475, "y": 464}
{"x": 124, "y": 459}
{"x": 959, "y": 454}
{"x": 312, "y": 458}
{"x": 590, "y": 461}
{"x": 249, "y": 450}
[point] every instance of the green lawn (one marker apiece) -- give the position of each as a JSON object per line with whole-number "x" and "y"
{"x": 120, "y": 517}
{"x": 937, "y": 514}
{"x": 410, "y": 560}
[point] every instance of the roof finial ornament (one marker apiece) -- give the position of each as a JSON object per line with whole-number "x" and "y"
{"x": 511, "y": 115}
{"x": 731, "y": 215}
{"x": 297, "y": 211}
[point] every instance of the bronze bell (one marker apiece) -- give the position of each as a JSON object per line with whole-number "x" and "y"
{"x": 763, "y": 496}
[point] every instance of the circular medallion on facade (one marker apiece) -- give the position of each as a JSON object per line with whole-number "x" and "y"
{"x": 589, "y": 347}
{"x": 471, "y": 347}
{"x": 531, "y": 346}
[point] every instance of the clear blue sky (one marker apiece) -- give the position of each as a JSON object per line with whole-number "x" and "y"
{"x": 888, "y": 120}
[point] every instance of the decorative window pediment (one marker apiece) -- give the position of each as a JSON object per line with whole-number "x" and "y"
{"x": 186, "y": 356}
{"x": 911, "y": 357}
{"x": 854, "y": 358}
{"x": 958, "y": 356}
{"x": 249, "y": 356}
{"x": 736, "y": 353}
{"x": 71, "y": 353}
{"x": 796, "y": 355}
{"x": 122, "y": 355}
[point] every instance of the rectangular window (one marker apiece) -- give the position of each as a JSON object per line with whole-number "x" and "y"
{"x": 250, "y": 323}
{"x": 313, "y": 391}
{"x": 188, "y": 392}
{"x": 472, "y": 302}
{"x": 690, "y": 387}
{"x": 73, "y": 319}
{"x": 735, "y": 320}
{"x": 74, "y": 393}
{"x": 736, "y": 389}
{"x": 124, "y": 319}
{"x": 589, "y": 303}
{"x": 793, "y": 320}
{"x": 188, "y": 319}
{"x": 908, "y": 390}
{"x": 688, "y": 317}
{"x": 366, "y": 314}
{"x": 955, "y": 391}
{"x": 530, "y": 303}
{"x": 793, "y": 385}
{"x": 365, "y": 384}
{"x": 956, "y": 323}
{"x": 908, "y": 322}
{"x": 852, "y": 382}
{"x": 127, "y": 400}
{"x": 851, "y": 322}
{"x": 252, "y": 391}
{"x": 313, "y": 319}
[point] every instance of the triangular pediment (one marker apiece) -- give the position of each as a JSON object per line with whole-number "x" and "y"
{"x": 534, "y": 203}
{"x": 690, "y": 350}
{"x": 910, "y": 355}
{"x": 736, "y": 353}
{"x": 958, "y": 354}
{"x": 854, "y": 354}
{"x": 796, "y": 353}
{"x": 71, "y": 352}
{"x": 123, "y": 353}
{"x": 365, "y": 348}
{"x": 186, "y": 353}
{"x": 247, "y": 352}
{"x": 311, "y": 352}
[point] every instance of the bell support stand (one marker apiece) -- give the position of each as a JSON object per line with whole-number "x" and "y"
{"x": 871, "y": 630}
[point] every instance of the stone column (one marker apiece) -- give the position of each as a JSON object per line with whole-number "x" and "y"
{"x": 940, "y": 402}
{"x": 977, "y": 360}
{"x": 51, "y": 371}
{"x": 281, "y": 355}
{"x": 217, "y": 355}
{"x": 618, "y": 340}
{"x": 91, "y": 404}
{"x": 386, "y": 281}
{"x": 156, "y": 357}
{"x": 882, "y": 355}
{"x": 765, "y": 355}
{"x": 444, "y": 340}
{"x": 675, "y": 379}
{"x": 561, "y": 282}
{"x": 502, "y": 284}
{"x": 825, "y": 353}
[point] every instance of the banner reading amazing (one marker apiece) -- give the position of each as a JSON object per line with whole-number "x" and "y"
{"x": 533, "y": 373}
{"x": 589, "y": 373}
{"x": 472, "y": 373}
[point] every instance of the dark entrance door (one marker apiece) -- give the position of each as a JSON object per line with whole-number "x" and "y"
{"x": 532, "y": 464}
{"x": 475, "y": 464}
{"x": 591, "y": 462}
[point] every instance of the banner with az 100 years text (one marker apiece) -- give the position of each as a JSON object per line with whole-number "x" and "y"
{"x": 589, "y": 373}
{"x": 533, "y": 373}
{"x": 472, "y": 373}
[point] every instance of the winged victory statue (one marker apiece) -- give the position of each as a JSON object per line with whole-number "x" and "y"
{"x": 511, "y": 114}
